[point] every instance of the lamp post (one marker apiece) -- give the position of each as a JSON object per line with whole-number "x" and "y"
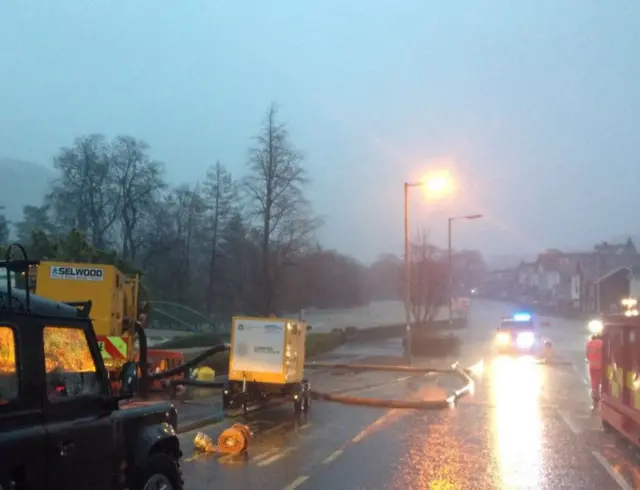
{"x": 450, "y": 258}
{"x": 407, "y": 268}
{"x": 434, "y": 185}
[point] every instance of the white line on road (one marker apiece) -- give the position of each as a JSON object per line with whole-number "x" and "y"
{"x": 381, "y": 385}
{"x": 335, "y": 455}
{"x": 275, "y": 428}
{"x": 617, "y": 477}
{"x": 296, "y": 483}
{"x": 266, "y": 454}
{"x": 566, "y": 418}
{"x": 274, "y": 458}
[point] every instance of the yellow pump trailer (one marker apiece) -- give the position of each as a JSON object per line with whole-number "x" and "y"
{"x": 266, "y": 361}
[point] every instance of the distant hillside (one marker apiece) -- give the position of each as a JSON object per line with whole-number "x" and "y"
{"x": 22, "y": 184}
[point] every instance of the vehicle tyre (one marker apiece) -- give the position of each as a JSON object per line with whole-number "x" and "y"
{"x": 161, "y": 472}
{"x": 245, "y": 409}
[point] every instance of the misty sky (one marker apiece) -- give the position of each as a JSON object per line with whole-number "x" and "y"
{"x": 534, "y": 107}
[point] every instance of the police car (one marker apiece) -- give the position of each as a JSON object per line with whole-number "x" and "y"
{"x": 517, "y": 335}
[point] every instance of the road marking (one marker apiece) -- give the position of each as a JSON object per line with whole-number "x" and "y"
{"x": 381, "y": 385}
{"x": 296, "y": 483}
{"x": 266, "y": 454}
{"x": 275, "y": 428}
{"x": 379, "y": 421}
{"x": 335, "y": 455}
{"x": 566, "y": 418}
{"x": 617, "y": 477}
{"x": 279, "y": 455}
{"x": 195, "y": 457}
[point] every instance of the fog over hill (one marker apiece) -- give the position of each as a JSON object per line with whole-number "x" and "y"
{"x": 21, "y": 184}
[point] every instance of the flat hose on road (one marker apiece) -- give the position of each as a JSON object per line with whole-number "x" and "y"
{"x": 443, "y": 403}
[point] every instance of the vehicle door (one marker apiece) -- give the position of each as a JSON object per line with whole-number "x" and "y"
{"x": 22, "y": 433}
{"x": 81, "y": 437}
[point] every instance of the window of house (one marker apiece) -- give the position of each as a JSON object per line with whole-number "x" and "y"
{"x": 8, "y": 365}
{"x": 71, "y": 370}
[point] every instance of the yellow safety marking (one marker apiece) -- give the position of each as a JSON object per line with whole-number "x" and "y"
{"x": 120, "y": 344}
{"x": 616, "y": 380}
{"x": 633, "y": 384}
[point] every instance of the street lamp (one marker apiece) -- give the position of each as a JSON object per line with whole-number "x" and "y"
{"x": 450, "y": 257}
{"x": 434, "y": 185}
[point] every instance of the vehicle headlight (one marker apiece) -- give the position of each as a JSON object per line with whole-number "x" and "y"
{"x": 596, "y": 326}
{"x": 525, "y": 339}
{"x": 503, "y": 338}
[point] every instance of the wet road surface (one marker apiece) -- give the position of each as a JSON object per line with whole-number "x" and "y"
{"x": 527, "y": 426}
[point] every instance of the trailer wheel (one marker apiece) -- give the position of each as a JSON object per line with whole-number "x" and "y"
{"x": 306, "y": 395}
{"x": 245, "y": 409}
{"x": 307, "y": 403}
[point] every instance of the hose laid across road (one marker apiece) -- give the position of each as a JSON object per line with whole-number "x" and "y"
{"x": 443, "y": 403}
{"x": 447, "y": 402}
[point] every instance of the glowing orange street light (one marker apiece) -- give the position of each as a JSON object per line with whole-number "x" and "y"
{"x": 436, "y": 184}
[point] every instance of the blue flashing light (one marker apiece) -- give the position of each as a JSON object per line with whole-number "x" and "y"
{"x": 522, "y": 317}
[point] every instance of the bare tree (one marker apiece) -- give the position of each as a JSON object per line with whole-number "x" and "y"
{"x": 276, "y": 201}
{"x": 4, "y": 227}
{"x": 428, "y": 280}
{"x": 220, "y": 198}
{"x": 84, "y": 196}
{"x": 206, "y": 247}
{"x": 138, "y": 180}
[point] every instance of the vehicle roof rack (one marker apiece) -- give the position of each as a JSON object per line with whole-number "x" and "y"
{"x": 21, "y": 266}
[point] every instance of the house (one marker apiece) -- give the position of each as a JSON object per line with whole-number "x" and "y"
{"x": 634, "y": 283}
{"x": 527, "y": 280}
{"x": 499, "y": 284}
{"x": 557, "y": 273}
{"x": 601, "y": 269}
{"x": 577, "y": 285}
{"x": 613, "y": 287}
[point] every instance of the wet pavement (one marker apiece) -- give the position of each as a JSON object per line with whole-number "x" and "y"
{"x": 526, "y": 426}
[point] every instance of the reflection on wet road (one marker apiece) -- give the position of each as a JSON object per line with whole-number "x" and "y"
{"x": 527, "y": 426}
{"x": 517, "y": 421}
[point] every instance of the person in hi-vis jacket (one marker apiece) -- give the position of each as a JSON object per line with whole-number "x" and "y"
{"x": 594, "y": 361}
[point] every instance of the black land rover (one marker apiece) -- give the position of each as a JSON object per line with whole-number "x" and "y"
{"x": 60, "y": 426}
